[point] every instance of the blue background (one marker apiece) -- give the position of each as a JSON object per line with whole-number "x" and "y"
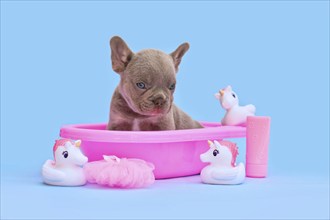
{"x": 55, "y": 70}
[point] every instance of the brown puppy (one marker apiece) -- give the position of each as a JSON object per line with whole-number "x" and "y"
{"x": 143, "y": 100}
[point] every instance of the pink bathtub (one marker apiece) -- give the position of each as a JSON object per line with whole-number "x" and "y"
{"x": 174, "y": 153}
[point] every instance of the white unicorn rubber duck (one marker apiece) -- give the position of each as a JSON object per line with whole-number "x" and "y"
{"x": 222, "y": 168}
{"x": 235, "y": 115}
{"x": 67, "y": 169}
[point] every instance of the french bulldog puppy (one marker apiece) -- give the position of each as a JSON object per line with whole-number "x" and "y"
{"x": 143, "y": 100}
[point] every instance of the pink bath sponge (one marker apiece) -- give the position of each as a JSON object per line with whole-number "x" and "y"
{"x": 120, "y": 173}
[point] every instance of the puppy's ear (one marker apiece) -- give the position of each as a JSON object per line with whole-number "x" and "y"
{"x": 120, "y": 54}
{"x": 178, "y": 54}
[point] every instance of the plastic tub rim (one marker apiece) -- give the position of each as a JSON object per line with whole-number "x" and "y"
{"x": 211, "y": 130}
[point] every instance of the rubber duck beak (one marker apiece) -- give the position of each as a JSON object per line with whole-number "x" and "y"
{"x": 221, "y": 92}
{"x": 78, "y": 143}
{"x": 210, "y": 143}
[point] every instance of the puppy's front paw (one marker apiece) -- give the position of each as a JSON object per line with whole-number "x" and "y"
{"x": 119, "y": 126}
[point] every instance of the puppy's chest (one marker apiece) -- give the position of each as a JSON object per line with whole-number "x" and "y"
{"x": 145, "y": 124}
{"x": 136, "y": 125}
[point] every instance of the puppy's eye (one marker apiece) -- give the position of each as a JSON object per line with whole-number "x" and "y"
{"x": 172, "y": 87}
{"x": 234, "y": 95}
{"x": 215, "y": 153}
{"x": 141, "y": 85}
{"x": 65, "y": 154}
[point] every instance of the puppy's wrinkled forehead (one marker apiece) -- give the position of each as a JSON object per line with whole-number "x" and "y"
{"x": 151, "y": 65}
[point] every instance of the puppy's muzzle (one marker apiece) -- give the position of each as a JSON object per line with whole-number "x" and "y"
{"x": 159, "y": 101}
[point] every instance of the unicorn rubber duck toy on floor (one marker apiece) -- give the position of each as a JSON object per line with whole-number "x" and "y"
{"x": 236, "y": 114}
{"x": 67, "y": 169}
{"x": 222, "y": 168}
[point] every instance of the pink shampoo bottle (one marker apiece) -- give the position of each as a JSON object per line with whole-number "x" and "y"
{"x": 257, "y": 141}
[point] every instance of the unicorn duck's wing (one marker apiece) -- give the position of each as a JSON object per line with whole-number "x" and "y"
{"x": 50, "y": 173}
{"x": 224, "y": 174}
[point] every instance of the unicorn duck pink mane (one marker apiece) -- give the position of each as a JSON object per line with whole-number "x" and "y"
{"x": 222, "y": 169}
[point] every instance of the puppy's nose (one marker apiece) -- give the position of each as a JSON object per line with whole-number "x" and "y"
{"x": 160, "y": 101}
